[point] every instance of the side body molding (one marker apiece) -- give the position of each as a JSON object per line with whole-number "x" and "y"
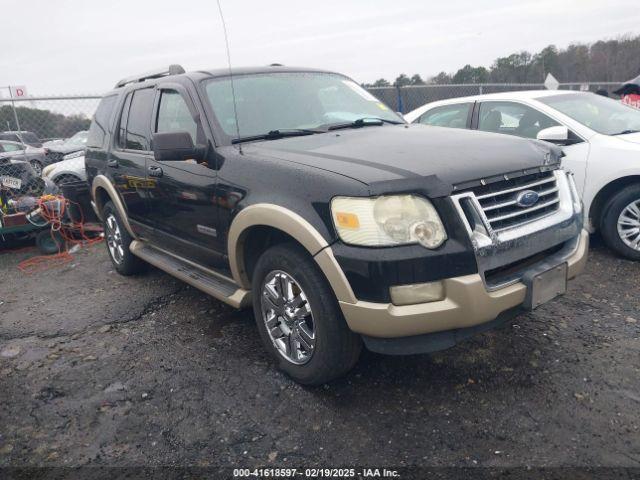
{"x": 103, "y": 182}
{"x": 269, "y": 215}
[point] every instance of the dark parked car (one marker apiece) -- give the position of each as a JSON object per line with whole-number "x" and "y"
{"x": 36, "y": 157}
{"x": 298, "y": 193}
{"x": 28, "y": 138}
{"x": 18, "y": 178}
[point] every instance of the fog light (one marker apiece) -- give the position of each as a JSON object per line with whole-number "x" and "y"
{"x": 417, "y": 293}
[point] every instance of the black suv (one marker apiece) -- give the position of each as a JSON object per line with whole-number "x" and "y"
{"x": 297, "y": 192}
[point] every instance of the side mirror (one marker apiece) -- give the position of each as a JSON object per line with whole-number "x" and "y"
{"x": 558, "y": 135}
{"x": 175, "y": 146}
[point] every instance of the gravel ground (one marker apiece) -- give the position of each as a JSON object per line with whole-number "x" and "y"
{"x": 98, "y": 369}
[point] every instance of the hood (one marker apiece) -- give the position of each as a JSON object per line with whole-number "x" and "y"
{"x": 630, "y": 137}
{"x": 65, "y": 148}
{"x": 383, "y": 153}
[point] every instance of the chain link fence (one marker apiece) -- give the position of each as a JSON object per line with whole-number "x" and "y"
{"x": 49, "y": 118}
{"x": 406, "y": 99}
{"x": 60, "y": 117}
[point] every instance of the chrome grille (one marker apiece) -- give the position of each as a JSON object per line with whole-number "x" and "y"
{"x": 499, "y": 200}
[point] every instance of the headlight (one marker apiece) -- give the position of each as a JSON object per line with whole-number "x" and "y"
{"x": 387, "y": 221}
{"x": 69, "y": 156}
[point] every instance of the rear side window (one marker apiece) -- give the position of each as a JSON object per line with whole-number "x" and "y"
{"x": 100, "y": 123}
{"x": 138, "y": 129}
{"x": 452, "y": 116}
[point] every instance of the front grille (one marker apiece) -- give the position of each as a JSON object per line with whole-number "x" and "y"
{"x": 55, "y": 156}
{"x": 499, "y": 200}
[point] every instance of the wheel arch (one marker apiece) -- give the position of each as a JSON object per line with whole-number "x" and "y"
{"x": 605, "y": 193}
{"x": 254, "y": 225}
{"x": 102, "y": 191}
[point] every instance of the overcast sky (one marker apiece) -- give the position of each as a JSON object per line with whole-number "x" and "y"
{"x": 74, "y": 46}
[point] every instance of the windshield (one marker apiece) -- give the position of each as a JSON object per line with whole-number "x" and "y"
{"x": 279, "y": 101}
{"x": 79, "y": 139}
{"x": 602, "y": 114}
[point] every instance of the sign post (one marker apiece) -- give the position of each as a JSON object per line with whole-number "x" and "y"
{"x": 17, "y": 91}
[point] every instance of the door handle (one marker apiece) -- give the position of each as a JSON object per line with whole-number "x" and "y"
{"x": 112, "y": 163}
{"x": 154, "y": 171}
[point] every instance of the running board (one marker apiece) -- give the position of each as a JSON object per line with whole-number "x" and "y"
{"x": 210, "y": 282}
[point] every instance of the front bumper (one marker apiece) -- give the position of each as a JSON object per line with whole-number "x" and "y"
{"x": 468, "y": 304}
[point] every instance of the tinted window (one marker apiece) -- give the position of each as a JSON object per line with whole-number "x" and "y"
{"x": 30, "y": 138}
{"x": 9, "y": 136}
{"x": 512, "y": 119}
{"x": 100, "y": 123}
{"x": 174, "y": 115}
{"x": 122, "y": 123}
{"x": 452, "y": 116}
{"x": 138, "y": 135}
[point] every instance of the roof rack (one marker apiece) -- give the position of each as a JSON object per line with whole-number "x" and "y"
{"x": 163, "y": 72}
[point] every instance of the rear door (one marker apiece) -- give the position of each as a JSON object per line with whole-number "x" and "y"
{"x": 128, "y": 160}
{"x": 183, "y": 202}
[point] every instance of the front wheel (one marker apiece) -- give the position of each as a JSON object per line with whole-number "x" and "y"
{"x": 299, "y": 319}
{"x": 118, "y": 241}
{"x": 621, "y": 222}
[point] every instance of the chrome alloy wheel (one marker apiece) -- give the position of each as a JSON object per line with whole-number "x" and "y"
{"x": 114, "y": 239}
{"x": 288, "y": 317}
{"x": 629, "y": 225}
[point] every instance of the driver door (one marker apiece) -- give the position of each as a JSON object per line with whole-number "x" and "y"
{"x": 182, "y": 201}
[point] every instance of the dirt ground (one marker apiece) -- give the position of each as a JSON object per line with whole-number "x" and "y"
{"x": 98, "y": 369}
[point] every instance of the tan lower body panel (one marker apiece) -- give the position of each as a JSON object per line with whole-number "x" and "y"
{"x": 467, "y": 303}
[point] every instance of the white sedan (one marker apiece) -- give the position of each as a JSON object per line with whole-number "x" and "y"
{"x": 600, "y": 137}
{"x": 69, "y": 170}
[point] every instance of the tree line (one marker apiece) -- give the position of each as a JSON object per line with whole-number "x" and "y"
{"x": 44, "y": 123}
{"x": 603, "y": 61}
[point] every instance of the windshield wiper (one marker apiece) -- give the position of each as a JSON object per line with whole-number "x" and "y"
{"x": 278, "y": 133}
{"x": 361, "y": 122}
{"x": 625, "y": 132}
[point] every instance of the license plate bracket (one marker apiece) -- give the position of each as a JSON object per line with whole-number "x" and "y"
{"x": 543, "y": 287}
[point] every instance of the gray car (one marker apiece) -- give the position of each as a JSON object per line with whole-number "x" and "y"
{"x": 35, "y": 156}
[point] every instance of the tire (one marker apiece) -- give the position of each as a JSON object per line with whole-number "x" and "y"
{"x": 50, "y": 242}
{"x": 118, "y": 240}
{"x": 335, "y": 348}
{"x": 624, "y": 206}
{"x": 37, "y": 166}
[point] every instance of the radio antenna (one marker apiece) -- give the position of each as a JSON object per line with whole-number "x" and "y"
{"x": 233, "y": 90}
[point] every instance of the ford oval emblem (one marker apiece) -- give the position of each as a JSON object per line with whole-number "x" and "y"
{"x": 527, "y": 199}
